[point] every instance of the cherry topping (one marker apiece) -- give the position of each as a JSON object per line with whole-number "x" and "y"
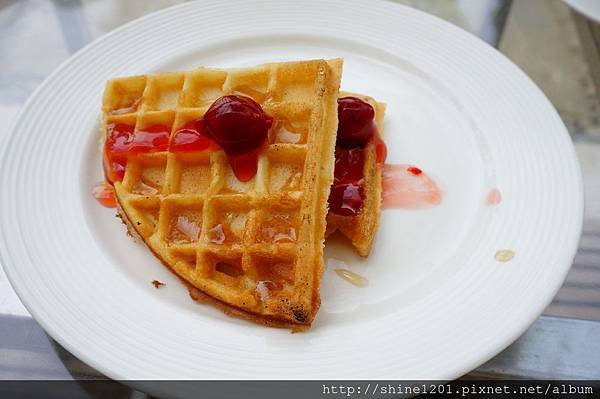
{"x": 349, "y": 165}
{"x": 237, "y": 123}
{"x": 356, "y": 122}
{"x": 346, "y": 199}
{"x": 191, "y": 137}
{"x": 151, "y": 139}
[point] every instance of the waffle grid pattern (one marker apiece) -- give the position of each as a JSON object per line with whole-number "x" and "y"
{"x": 250, "y": 245}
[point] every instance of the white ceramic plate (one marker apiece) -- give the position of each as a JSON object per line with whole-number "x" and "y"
{"x": 437, "y": 305}
{"x": 589, "y": 8}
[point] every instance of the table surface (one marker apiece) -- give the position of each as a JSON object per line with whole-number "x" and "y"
{"x": 557, "y": 47}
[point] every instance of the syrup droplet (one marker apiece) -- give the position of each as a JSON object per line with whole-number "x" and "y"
{"x": 145, "y": 187}
{"x": 274, "y": 234}
{"x": 264, "y": 288}
{"x": 247, "y": 91}
{"x": 229, "y": 268}
{"x": 494, "y": 197}
{"x": 408, "y": 187}
{"x": 216, "y": 235}
{"x": 504, "y": 255}
{"x": 284, "y": 134}
{"x": 352, "y": 277}
{"x": 105, "y": 194}
{"x": 128, "y": 108}
{"x": 188, "y": 227}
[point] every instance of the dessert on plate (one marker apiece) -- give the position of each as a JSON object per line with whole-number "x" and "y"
{"x": 225, "y": 175}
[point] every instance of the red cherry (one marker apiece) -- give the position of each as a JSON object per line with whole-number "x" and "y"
{"x": 191, "y": 137}
{"x": 356, "y": 122}
{"x": 346, "y": 199}
{"x": 349, "y": 165}
{"x": 151, "y": 139}
{"x": 238, "y": 124}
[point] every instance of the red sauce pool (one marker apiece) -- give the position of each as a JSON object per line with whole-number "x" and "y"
{"x": 408, "y": 187}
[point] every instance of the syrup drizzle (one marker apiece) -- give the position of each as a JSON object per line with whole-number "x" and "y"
{"x": 264, "y": 288}
{"x": 408, "y": 187}
{"x": 128, "y": 108}
{"x": 216, "y": 235}
{"x": 284, "y": 132}
{"x": 352, "y": 278}
{"x": 188, "y": 227}
{"x": 504, "y": 255}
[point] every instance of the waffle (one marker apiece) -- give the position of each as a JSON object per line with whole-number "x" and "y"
{"x": 254, "y": 249}
{"x": 361, "y": 229}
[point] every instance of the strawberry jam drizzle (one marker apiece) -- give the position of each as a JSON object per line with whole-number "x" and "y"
{"x": 122, "y": 142}
{"x": 118, "y": 140}
{"x": 356, "y": 131}
{"x": 235, "y": 124}
{"x": 190, "y": 138}
{"x": 151, "y": 139}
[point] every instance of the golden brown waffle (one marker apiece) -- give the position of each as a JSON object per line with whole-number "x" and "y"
{"x": 255, "y": 249}
{"x": 361, "y": 229}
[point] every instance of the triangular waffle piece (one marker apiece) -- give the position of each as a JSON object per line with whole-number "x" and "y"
{"x": 362, "y": 228}
{"x": 254, "y": 249}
